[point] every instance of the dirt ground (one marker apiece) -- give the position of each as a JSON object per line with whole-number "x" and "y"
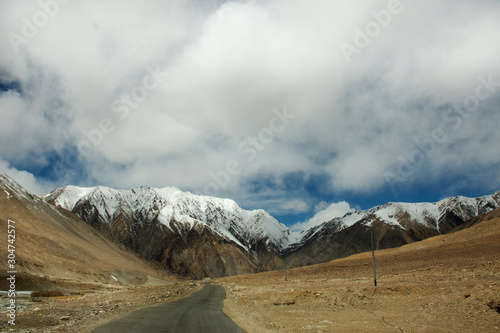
{"x": 85, "y": 310}
{"x": 448, "y": 283}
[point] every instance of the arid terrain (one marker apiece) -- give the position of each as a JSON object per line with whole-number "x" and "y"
{"x": 52, "y": 244}
{"x": 448, "y": 283}
{"x": 55, "y": 251}
{"x": 85, "y": 310}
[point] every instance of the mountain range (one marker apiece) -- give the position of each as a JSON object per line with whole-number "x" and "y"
{"x": 200, "y": 236}
{"x": 190, "y": 234}
{"x": 393, "y": 225}
{"x": 53, "y": 248}
{"x": 205, "y": 236}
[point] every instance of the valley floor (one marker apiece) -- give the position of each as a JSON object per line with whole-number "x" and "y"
{"x": 447, "y": 283}
{"x": 89, "y": 309}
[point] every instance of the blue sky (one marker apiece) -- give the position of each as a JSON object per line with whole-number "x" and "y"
{"x": 305, "y": 109}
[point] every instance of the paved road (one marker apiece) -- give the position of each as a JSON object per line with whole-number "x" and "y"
{"x": 199, "y": 312}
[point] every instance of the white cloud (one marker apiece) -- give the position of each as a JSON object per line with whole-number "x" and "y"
{"x": 230, "y": 66}
{"x": 334, "y": 210}
{"x": 296, "y": 206}
{"x": 322, "y": 205}
{"x": 25, "y": 179}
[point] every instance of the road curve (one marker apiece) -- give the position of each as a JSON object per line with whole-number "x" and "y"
{"x": 199, "y": 312}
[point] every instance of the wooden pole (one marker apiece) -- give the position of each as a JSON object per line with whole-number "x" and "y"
{"x": 373, "y": 259}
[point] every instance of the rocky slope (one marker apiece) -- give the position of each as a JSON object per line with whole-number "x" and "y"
{"x": 393, "y": 225}
{"x": 192, "y": 235}
{"x": 200, "y": 236}
{"x": 55, "y": 248}
{"x": 447, "y": 283}
{"x": 205, "y": 236}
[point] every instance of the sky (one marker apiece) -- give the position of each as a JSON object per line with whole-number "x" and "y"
{"x": 307, "y": 109}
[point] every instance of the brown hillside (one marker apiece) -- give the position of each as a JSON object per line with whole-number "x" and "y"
{"x": 54, "y": 248}
{"x": 447, "y": 283}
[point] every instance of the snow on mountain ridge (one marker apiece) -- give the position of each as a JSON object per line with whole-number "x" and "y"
{"x": 247, "y": 228}
{"x": 424, "y": 212}
{"x": 224, "y": 216}
{"x": 404, "y": 215}
{"x": 11, "y": 187}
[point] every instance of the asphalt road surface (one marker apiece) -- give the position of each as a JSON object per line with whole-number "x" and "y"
{"x": 199, "y": 312}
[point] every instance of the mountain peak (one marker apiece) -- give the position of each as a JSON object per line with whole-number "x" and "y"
{"x": 166, "y": 224}
{"x": 223, "y": 216}
{"x": 12, "y": 188}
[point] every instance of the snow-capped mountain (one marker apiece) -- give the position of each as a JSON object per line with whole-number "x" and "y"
{"x": 394, "y": 224}
{"x": 181, "y": 229}
{"x": 439, "y": 217}
{"x": 206, "y": 236}
{"x": 165, "y": 224}
{"x": 53, "y": 246}
{"x": 171, "y": 206}
{"x": 12, "y": 189}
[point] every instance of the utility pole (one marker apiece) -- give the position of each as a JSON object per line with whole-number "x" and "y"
{"x": 373, "y": 259}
